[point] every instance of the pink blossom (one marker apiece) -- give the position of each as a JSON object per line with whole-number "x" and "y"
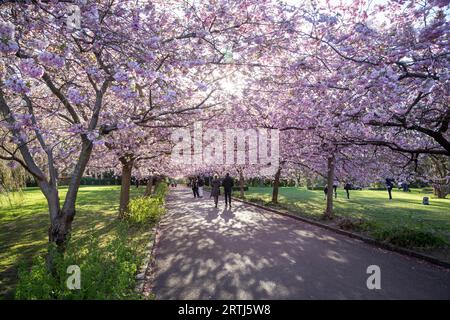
{"x": 31, "y": 69}
{"x": 7, "y": 43}
{"x": 12, "y": 164}
{"x": 121, "y": 76}
{"x": 17, "y": 85}
{"x": 75, "y": 97}
{"x": 51, "y": 60}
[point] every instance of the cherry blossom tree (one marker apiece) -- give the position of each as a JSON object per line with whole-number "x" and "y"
{"x": 64, "y": 88}
{"x": 345, "y": 83}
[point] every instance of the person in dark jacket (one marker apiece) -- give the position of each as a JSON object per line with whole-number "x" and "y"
{"x": 389, "y": 186}
{"x": 215, "y": 189}
{"x": 325, "y": 190}
{"x": 195, "y": 187}
{"x": 228, "y": 187}
{"x": 347, "y": 188}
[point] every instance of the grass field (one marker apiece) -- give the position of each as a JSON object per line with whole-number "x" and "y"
{"x": 24, "y": 222}
{"x": 406, "y": 208}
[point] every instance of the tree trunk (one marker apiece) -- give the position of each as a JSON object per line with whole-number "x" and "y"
{"x": 61, "y": 218}
{"x": 60, "y": 222}
{"x": 156, "y": 181}
{"x": 127, "y": 167}
{"x": 241, "y": 184}
{"x": 149, "y": 187}
{"x": 276, "y": 185}
{"x": 59, "y": 229}
{"x": 308, "y": 183}
{"x": 440, "y": 191}
{"x": 330, "y": 179}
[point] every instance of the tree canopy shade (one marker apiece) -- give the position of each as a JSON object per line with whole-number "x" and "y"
{"x": 358, "y": 90}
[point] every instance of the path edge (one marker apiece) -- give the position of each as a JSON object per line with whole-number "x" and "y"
{"x": 371, "y": 241}
{"x": 147, "y": 263}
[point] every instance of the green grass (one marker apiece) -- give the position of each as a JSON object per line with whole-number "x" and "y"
{"x": 24, "y": 222}
{"x": 406, "y": 208}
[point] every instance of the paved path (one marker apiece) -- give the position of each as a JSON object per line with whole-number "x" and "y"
{"x": 249, "y": 253}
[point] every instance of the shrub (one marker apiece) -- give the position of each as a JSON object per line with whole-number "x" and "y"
{"x": 353, "y": 224}
{"x": 407, "y": 237}
{"x": 161, "y": 191}
{"x": 145, "y": 209}
{"x": 377, "y": 186}
{"x": 107, "y": 272}
{"x": 238, "y": 188}
{"x": 254, "y": 199}
{"x": 316, "y": 188}
{"x": 35, "y": 282}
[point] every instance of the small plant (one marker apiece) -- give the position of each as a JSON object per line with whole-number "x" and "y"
{"x": 412, "y": 238}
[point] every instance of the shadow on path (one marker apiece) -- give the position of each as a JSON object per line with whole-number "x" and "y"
{"x": 248, "y": 253}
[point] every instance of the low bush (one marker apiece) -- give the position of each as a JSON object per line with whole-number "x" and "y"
{"x": 107, "y": 272}
{"x": 353, "y": 224}
{"x": 238, "y": 188}
{"x": 254, "y": 199}
{"x": 412, "y": 238}
{"x": 143, "y": 210}
{"x": 316, "y": 188}
{"x": 161, "y": 191}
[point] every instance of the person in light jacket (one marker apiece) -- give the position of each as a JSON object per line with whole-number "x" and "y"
{"x": 200, "y": 186}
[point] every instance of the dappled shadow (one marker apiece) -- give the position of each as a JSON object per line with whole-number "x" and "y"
{"x": 248, "y": 253}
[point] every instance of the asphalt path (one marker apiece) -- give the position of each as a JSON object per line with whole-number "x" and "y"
{"x": 249, "y": 253}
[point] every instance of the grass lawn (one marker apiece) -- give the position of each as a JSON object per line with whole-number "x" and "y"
{"x": 406, "y": 208}
{"x": 24, "y": 223}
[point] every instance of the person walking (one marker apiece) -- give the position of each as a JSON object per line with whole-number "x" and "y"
{"x": 228, "y": 187}
{"x": 347, "y": 188}
{"x": 335, "y": 185}
{"x": 325, "y": 190}
{"x": 195, "y": 187}
{"x": 201, "y": 183}
{"x": 215, "y": 189}
{"x": 405, "y": 186}
{"x": 389, "y": 186}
